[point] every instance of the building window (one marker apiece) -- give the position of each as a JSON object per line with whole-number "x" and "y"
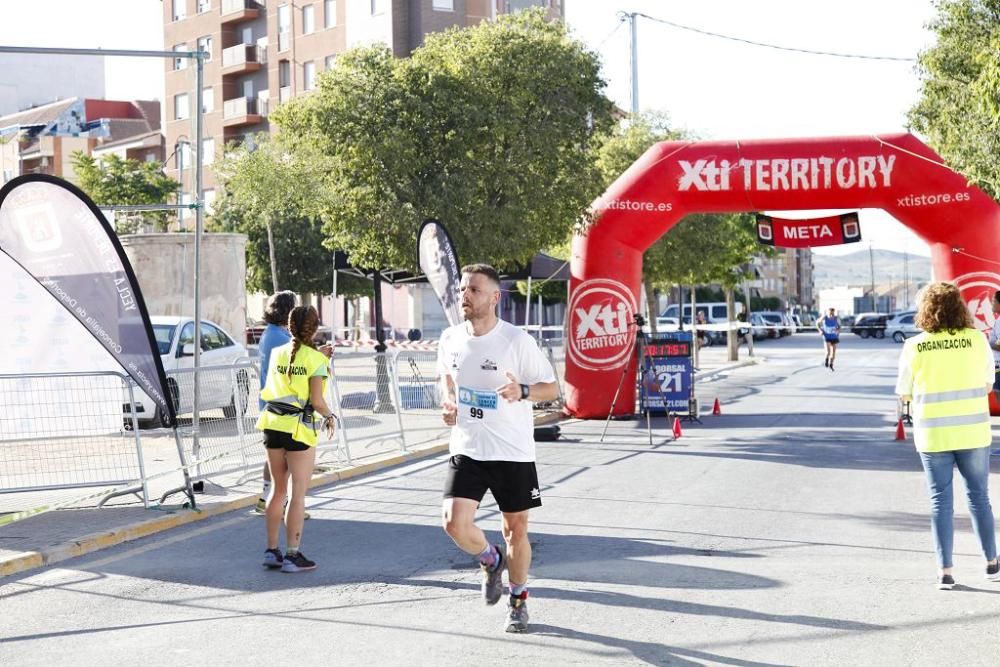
{"x": 183, "y": 159}
{"x": 330, "y": 62}
{"x": 377, "y": 6}
{"x": 205, "y": 44}
{"x": 208, "y": 100}
{"x": 284, "y": 74}
{"x": 329, "y": 13}
{"x": 204, "y": 6}
{"x": 444, "y": 5}
{"x": 181, "y": 109}
{"x": 151, "y": 157}
{"x": 308, "y": 19}
{"x": 308, "y": 75}
{"x": 284, "y": 27}
{"x": 209, "y": 200}
{"x": 179, "y": 9}
{"x": 208, "y": 151}
{"x": 180, "y": 63}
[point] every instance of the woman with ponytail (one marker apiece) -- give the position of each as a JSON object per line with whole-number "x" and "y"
{"x": 293, "y": 415}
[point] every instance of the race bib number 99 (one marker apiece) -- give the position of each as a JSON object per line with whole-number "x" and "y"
{"x": 474, "y": 402}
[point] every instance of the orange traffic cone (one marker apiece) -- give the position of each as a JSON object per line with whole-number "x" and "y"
{"x": 900, "y": 433}
{"x": 717, "y": 408}
{"x": 677, "y": 428}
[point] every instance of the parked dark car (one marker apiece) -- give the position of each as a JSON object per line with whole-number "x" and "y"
{"x": 870, "y": 326}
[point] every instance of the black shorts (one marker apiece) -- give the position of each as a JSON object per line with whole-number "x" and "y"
{"x": 514, "y": 484}
{"x": 282, "y": 440}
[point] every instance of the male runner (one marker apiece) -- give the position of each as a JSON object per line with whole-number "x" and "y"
{"x": 492, "y": 371}
{"x": 829, "y": 327}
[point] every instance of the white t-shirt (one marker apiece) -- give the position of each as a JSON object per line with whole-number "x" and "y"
{"x": 489, "y": 428}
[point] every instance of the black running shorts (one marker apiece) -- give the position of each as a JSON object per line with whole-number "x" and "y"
{"x": 282, "y": 440}
{"x": 514, "y": 484}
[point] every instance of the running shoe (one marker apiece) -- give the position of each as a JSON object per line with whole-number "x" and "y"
{"x": 946, "y": 582}
{"x": 492, "y": 586}
{"x": 826, "y": 362}
{"x": 517, "y": 613}
{"x": 297, "y": 562}
{"x": 273, "y": 559}
{"x": 993, "y": 571}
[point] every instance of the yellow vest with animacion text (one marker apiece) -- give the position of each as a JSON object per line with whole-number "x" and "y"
{"x": 292, "y": 390}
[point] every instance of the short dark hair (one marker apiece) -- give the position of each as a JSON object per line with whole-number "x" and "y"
{"x": 278, "y": 307}
{"x": 484, "y": 270}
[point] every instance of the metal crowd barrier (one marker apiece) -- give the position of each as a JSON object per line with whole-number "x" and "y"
{"x": 65, "y": 431}
{"x": 68, "y": 431}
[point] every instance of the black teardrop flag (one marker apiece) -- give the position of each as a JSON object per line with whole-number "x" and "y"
{"x": 53, "y": 231}
{"x": 438, "y": 260}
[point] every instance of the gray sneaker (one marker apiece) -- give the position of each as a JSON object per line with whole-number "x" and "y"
{"x": 517, "y": 612}
{"x": 493, "y": 580}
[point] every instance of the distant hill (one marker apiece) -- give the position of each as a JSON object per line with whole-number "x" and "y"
{"x": 854, "y": 269}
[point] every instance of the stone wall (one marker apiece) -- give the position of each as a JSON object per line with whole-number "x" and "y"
{"x": 164, "y": 266}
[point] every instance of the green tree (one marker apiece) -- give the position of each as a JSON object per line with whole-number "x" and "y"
{"x": 114, "y": 180}
{"x": 490, "y": 129}
{"x": 959, "y": 106}
{"x": 269, "y": 194}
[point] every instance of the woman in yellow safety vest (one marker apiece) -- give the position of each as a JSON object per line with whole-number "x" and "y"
{"x": 293, "y": 415}
{"x": 946, "y": 373}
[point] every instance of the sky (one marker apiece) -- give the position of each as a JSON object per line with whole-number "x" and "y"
{"x": 715, "y": 88}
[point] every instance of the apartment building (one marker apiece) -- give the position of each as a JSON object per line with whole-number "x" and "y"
{"x": 788, "y": 276}
{"x": 267, "y": 52}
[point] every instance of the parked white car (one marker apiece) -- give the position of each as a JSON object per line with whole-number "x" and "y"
{"x": 175, "y": 343}
{"x": 900, "y": 326}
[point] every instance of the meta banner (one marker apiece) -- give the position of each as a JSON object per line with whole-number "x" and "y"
{"x": 437, "y": 258}
{"x": 834, "y": 230}
{"x": 56, "y": 234}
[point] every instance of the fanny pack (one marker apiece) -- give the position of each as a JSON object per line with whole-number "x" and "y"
{"x": 286, "y": 409}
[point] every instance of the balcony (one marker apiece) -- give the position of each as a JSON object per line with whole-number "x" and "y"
{"x": 243, "y": 111}
{"x": 243, "y": 59}
{"x": 234, "y": 11}
{"x": 284, "y": 94}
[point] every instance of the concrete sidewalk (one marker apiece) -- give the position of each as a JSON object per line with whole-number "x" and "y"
{"x": 58, "y": 535}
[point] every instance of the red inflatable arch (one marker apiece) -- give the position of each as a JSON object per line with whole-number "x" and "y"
{"x": 894, "y": 172}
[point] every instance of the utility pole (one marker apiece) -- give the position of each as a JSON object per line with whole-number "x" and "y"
{"x": 906, "y": 279}
{"x": 871, "y": 264}
{"x": 631, "y": 17}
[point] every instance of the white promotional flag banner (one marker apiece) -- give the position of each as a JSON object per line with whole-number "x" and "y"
{"x": 59, "y": 239}
{"x": 438, "y": 260}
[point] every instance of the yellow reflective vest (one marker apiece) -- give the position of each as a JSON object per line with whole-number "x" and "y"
{"x": 292, "y": 392}
{"x": 950, "y": 403}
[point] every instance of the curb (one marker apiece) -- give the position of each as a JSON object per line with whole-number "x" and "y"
{"x": 29, "y": 560}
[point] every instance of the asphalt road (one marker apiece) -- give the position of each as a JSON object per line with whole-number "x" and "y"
{"x": 790, "y": 530}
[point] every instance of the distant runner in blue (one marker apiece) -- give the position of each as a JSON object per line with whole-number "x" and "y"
{"x": 829, "y": 326}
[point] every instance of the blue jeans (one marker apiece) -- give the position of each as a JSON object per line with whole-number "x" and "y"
{"x": 974, "y": 466}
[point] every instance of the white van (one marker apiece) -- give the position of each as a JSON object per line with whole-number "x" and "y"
{"x": 714, "y": 312}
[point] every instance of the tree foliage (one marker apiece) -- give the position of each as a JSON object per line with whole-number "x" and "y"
{"x": 959, "y": 106}
{"x": 114, "y": 180}
{"x": 490, "y": 129}
{"x": 269, "y": 194}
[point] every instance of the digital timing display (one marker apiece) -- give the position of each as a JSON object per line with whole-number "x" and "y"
{"x": 673, "y": 349}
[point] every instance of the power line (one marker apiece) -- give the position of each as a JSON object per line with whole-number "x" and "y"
{"x": 772, "y": 46}
{"x": 611, "y": 34}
